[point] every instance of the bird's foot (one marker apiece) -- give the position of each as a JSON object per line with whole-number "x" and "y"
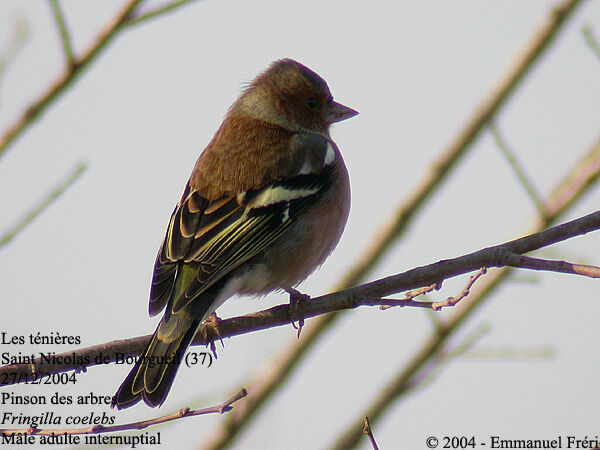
{"x": 215, "y": 321}
{"x": 296, "y": 297}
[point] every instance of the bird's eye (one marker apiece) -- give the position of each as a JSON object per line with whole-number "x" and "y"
{"x": 312, "y": 103}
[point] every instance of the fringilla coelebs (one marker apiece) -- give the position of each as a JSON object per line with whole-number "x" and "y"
{"x": 266, "y": 203}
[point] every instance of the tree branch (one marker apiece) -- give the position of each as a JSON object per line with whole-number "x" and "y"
{"x": 591, "y": 41}
{"x": 43, "y": 205}
{"x": 394, "y": 227}
{"x": 67, "y": 77}
{"x": 65, "y": 37}
{"x": 459, "y": 145}
{"x": 143, "y": 17}
{"x": 577, "y": 182}
{"x": 140, "y": 425}
{"x": 368, "y": 294}
{"x": 125, "y": 18}
{"x": 518, "y": 169}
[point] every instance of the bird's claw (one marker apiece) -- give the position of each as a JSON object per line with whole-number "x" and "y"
{"x": 216, "y": 320}
{"x": 296, "y": 297}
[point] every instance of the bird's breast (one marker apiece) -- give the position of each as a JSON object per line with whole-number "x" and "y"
{"x": 306, "y": 245}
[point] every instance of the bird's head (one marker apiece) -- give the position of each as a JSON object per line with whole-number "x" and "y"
{"x": 292, "y": 95}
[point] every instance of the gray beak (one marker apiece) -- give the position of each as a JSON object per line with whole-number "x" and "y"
{"x": 338, "y": 112}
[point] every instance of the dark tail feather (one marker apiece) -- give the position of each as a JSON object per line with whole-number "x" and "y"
{"x": 153, "y": 374}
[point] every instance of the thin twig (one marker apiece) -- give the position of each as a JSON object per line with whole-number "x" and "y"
{"x": 154, "y": 13}
{"x": 65, "y": 37}
{"x": 518, "y": 169}
{"x": 508, "y": 353}
{"x": 444, "y": 357}
{"x": 466, "y": 345}
{"x": 408, "y": 300}
{"x": 140, "y": 425}
{"x": 591, "y": 41}
{"x": 44, "y": 204}
{"x": 388, "y": 235}
{"x": 369, "y": 432}
{"x": 409, "y": 297}
{"x": 452, "y": 301}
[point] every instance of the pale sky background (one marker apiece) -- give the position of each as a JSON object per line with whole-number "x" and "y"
{"x": 415, "y": 70}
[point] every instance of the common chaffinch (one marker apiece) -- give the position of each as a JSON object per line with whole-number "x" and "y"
{"x": 266, "y": 203}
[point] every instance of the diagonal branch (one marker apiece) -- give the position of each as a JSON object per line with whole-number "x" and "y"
{"x": 518, "y": 169}
{"x": 577, "y": 182}
{"x": 368, "y": 294}
{"x": 43, "y": 205}
{"x": 458, "y": 147}
{"x": 67, "y": 77}
{"x": 391, "y": 231}
{"x": 591, "y": 41}
{"x": 125, "y": 18}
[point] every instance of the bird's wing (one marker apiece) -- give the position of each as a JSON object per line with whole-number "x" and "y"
{"x": 220, "y": 235}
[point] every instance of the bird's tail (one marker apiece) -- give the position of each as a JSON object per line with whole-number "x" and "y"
{"x": 153, "y": 374}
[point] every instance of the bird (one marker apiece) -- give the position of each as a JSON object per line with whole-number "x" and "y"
{"x": 265, "y": 205}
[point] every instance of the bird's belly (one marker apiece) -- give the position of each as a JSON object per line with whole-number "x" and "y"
{"x": 294, "y": 256}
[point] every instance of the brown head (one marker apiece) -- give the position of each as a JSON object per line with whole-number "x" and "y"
{"x": 291, "y": 95}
